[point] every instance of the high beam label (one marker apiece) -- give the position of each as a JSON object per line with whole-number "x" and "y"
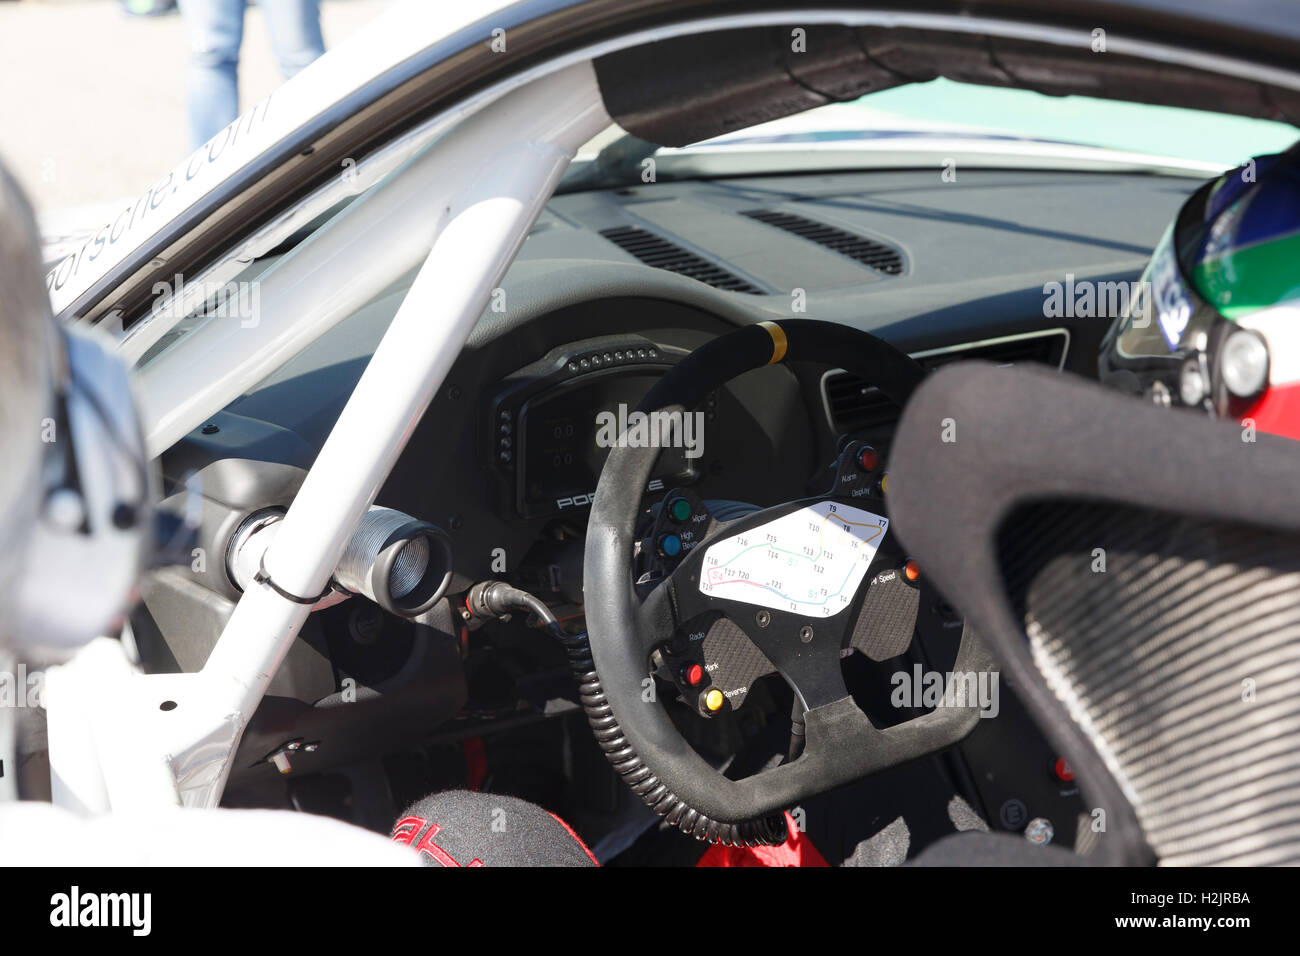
{"x": 810, "y": 561}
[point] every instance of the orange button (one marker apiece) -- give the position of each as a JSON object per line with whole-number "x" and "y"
{"x": 911, "y": 570}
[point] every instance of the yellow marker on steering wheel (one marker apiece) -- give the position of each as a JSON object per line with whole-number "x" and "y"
{"x": 779, "y": 341}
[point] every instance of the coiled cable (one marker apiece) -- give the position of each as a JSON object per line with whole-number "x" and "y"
{"x": 496, "y": 597}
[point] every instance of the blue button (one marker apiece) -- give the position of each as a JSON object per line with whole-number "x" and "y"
{"x": 670, "y": 545}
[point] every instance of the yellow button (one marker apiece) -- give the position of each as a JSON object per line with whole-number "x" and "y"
{"x": 884, "y": 484}
{"x": 713, "y": 699}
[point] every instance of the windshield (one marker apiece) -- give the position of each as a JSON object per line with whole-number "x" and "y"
{"x": 925, "y": 122}
{"x": 1136, "y": 127}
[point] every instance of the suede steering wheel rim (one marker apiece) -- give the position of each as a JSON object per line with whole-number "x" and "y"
{"x": 842, "y": 744}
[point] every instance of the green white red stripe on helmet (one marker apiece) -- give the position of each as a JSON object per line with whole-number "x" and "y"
{"x": 1279, "y": 327}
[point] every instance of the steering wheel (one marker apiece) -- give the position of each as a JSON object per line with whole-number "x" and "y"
{"x": 843, "y": 579}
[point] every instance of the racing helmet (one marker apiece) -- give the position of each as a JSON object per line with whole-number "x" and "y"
{"x": 1214, "y": 323}
{"x": 76, "y": 489}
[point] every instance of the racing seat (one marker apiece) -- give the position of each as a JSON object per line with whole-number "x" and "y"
{"x": 465, "y": 828}
{"x": 1135, "y": 571}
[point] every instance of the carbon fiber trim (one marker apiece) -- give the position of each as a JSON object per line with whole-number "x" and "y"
{"x": 734, "y": 661}
{"x": 887, "y": 618}
{"x": 1180, "y": 661}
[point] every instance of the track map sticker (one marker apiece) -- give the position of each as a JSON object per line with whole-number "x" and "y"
{"x": 810, "y": 561}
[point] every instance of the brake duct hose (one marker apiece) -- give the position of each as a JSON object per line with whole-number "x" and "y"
{"x": 494, "y": 599}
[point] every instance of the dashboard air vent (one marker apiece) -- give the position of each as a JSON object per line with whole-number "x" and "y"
{"x": 655, "y": 250}
{"x": 855, "y": 406}
{"x": 877, "y": 255}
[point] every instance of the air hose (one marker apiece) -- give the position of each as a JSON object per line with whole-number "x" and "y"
{"x": 494, "y": 599}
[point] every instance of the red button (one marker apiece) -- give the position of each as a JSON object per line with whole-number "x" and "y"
{"x": 693, "y": 674}
{"x": 911, "y": 570}
{"x": 868, "y": 458}
{"x": 1062, "y": 770}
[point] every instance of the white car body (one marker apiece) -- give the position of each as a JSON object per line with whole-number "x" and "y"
{"x": 454, "y": 198}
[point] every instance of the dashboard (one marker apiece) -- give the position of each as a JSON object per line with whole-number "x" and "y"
{"x": 554, "y": 421}
{"x": 611, "y": 290}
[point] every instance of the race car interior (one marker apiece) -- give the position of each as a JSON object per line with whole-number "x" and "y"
{"x": 560, "y": 610}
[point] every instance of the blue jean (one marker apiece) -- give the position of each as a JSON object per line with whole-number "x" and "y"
{"x": 216, "y": 30}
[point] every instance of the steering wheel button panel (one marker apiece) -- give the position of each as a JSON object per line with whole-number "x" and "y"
{"x": 682, "y": 523}
{"x": 810, "y": 561}
{"x": 670, "y": 545}
{"x": 856, "y": 470}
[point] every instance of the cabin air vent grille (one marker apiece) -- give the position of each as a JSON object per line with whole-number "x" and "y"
{"x": 855, "y": 406}
{"x": 655, "y": 250}
{"x": 869, "y": 252}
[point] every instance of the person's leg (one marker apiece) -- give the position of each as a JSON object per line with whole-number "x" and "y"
{"x": 215, "y": 29}
{"x": 294, "y": 26}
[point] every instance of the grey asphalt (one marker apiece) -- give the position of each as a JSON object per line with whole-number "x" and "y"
{"x": 92, "y": 101}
